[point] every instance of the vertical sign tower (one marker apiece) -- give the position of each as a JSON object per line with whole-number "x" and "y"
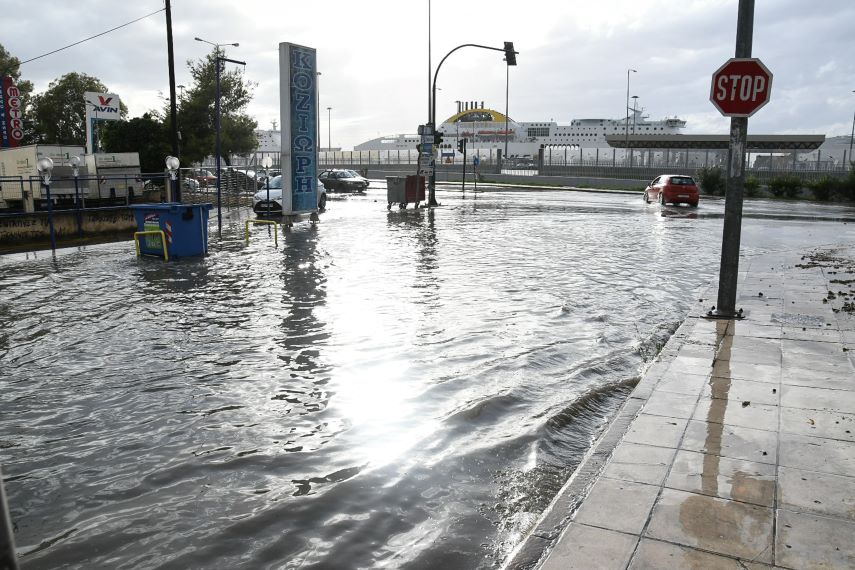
{"x": 11, "y": 119}
{"x": 99, "y": 107}
{"x": 298, "y": 116}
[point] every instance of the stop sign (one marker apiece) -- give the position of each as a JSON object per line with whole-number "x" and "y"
{"x": 740, "y": 87}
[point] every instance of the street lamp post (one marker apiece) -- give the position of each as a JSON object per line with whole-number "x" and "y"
{"x": 626, "y": 126}
{"x": 507, "y": 90}
{"x": 218, "y": 61}
{"x": 266, "y": 163}
{"x": 329, "y": 129}
{"x": 45, "y": 166}
{"x": 172, "y": 165}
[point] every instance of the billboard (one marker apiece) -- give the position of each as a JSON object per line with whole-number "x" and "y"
{"x": 11, "y": 117}
{"x": 99, "y": 107}
{"x": 298, "y": 112}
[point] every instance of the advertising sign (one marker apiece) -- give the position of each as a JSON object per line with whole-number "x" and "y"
{"x": 298, "y": 116}
{"x": 99, "y": 107}
{"x": 11, "y": 118}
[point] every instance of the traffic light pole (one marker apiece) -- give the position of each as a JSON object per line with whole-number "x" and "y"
{"x": 731, "y": 235}
{"x": 432, "y": 183}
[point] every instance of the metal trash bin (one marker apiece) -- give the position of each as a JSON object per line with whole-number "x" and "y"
{"x": 184, "y": 226}
{"x": 404, "y": 190}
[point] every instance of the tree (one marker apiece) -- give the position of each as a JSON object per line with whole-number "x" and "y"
{"x": 60, "y": 112}
{"x": 11, "y": 66}
{"x": 196, "y": 114}
{"x": 147, "y": 135}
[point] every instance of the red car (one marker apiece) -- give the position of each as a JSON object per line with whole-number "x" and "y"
{"x": 674, "y": 189}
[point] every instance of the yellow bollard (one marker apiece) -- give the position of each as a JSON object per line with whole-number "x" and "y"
{"x": 266, "y": 222}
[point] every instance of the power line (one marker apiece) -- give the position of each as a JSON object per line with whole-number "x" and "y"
{"x": 92, "y": 37}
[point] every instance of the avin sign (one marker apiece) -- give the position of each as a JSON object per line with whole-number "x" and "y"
{"x": 99, "y": 107}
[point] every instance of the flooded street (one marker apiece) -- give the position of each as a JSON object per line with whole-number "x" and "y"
{"x": 402, "y": 389}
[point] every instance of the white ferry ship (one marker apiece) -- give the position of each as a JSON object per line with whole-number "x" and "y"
{"x": 487, "y": 129}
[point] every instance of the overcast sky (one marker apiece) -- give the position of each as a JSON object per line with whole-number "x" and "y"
{"x": 573, "y": 56}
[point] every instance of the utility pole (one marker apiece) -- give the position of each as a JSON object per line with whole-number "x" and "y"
{"x": 729, "y": 270}
{"x": 173, "y": 112}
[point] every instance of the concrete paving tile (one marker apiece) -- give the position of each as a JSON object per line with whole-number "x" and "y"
{"x": 753, "y": 343}
{"x": 736, "y": 413}
{"x": 705, "y": 474}
{"x": 717, "y": 525}
{"x": 583, "y": 547}
{"x": 731, "y": 441}
{"x": 838, "y": 361}
{"x": 681, "y": 383}
{"x": 743, "y": 391}
{"x": 817, "y": 454}
{"x": 747, "y": 371}
{"x": 671, "y": 404}
{"x": 799, "y": 333}
{"x": 811, "y": 541}
{"x": 806, "y": 397}
{"x": 690, "y": 365}
{"x": 809, "y": 347}
{"x": 697, "y": 351}
{"x": 766, "y": 356}
{"x": 639, "y": 463}
{"x": 817, "y": 493}
{"x": 757, "y": 330}
{"x": 817, "y": 423}
{"x": 819, "y": 378}
{"x": 658, "y": 555}
{"x": 656, "y": 430}
{"x": 617, "y": 505}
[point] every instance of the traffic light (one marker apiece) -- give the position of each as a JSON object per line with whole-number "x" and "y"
{"x": 437, "y": 138}
{"x": 461, "y": 145}
{"x": 510, "y": 54}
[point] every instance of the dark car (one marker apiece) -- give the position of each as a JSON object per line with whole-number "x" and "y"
{"x": 340, "y": 180}
{"x": 674, "y": 189}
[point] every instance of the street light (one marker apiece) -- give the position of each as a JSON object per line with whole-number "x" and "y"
{"x": 329, "y": 129}
{"x": 181, "y": 95}
{"x": 45, "y": 166}
{"x": 218, "y": 61}
{"x": 626, "y": 126}
{"x": 510, "y": 57}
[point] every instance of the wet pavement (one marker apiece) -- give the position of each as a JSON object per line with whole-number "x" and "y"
{"x": 737, "y": 448}
{"x": 404, "y": 389}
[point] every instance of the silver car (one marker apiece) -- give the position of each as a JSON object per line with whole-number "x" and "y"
{"x": 260, "y": 204}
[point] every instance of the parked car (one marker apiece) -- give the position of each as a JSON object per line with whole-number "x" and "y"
{"x": 673, "y": 189}
{"x": 260, "y": 204}
{"x": 204, "y": 177}
{"x": 340, "y": 180}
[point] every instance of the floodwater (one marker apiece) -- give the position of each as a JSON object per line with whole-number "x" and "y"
{"x": 398, "y": 389}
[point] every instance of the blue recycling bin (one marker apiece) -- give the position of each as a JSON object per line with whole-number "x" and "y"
{"x": 184, "y": 226}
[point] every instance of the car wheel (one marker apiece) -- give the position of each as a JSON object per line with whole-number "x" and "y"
{"x": 322, "y": 203}
{"x": 661, "y": 199}
{"x": 646, "y": 198}
{"x": 693, "y": 205}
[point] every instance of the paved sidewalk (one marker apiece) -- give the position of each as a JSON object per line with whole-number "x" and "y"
{"x": 737, "y": 449}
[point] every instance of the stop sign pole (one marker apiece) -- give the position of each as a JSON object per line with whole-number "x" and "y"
{"x": 738, "y": 98}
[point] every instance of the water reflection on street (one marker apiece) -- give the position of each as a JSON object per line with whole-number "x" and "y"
{"x": 404, "y": 388}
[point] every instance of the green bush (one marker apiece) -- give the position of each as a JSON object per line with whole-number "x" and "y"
{"x": 752, "y": 186}
{"x": 824, "y": 188}
{"x": 711, "y": 181}
{"x": 846, "y": 186}
{"x": 786, "y": 186}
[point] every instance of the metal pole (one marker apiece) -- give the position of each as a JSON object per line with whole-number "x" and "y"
{"x": 852, "y": 136}
{"x": 464, "y": 167}
{"x": 507, "y": 90}
{"x": 430, "y": 95}
{"x": 50, "y": 218}
{"x": 218, "y": 62}
{"x": 77, "y": 207}
{"x": 729, "y": 270}
{"x": 8, "y": 558}
{"x": 626, "y": 126}
{"x": 329, "y": 132}
{"x": 173, "y": 112}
